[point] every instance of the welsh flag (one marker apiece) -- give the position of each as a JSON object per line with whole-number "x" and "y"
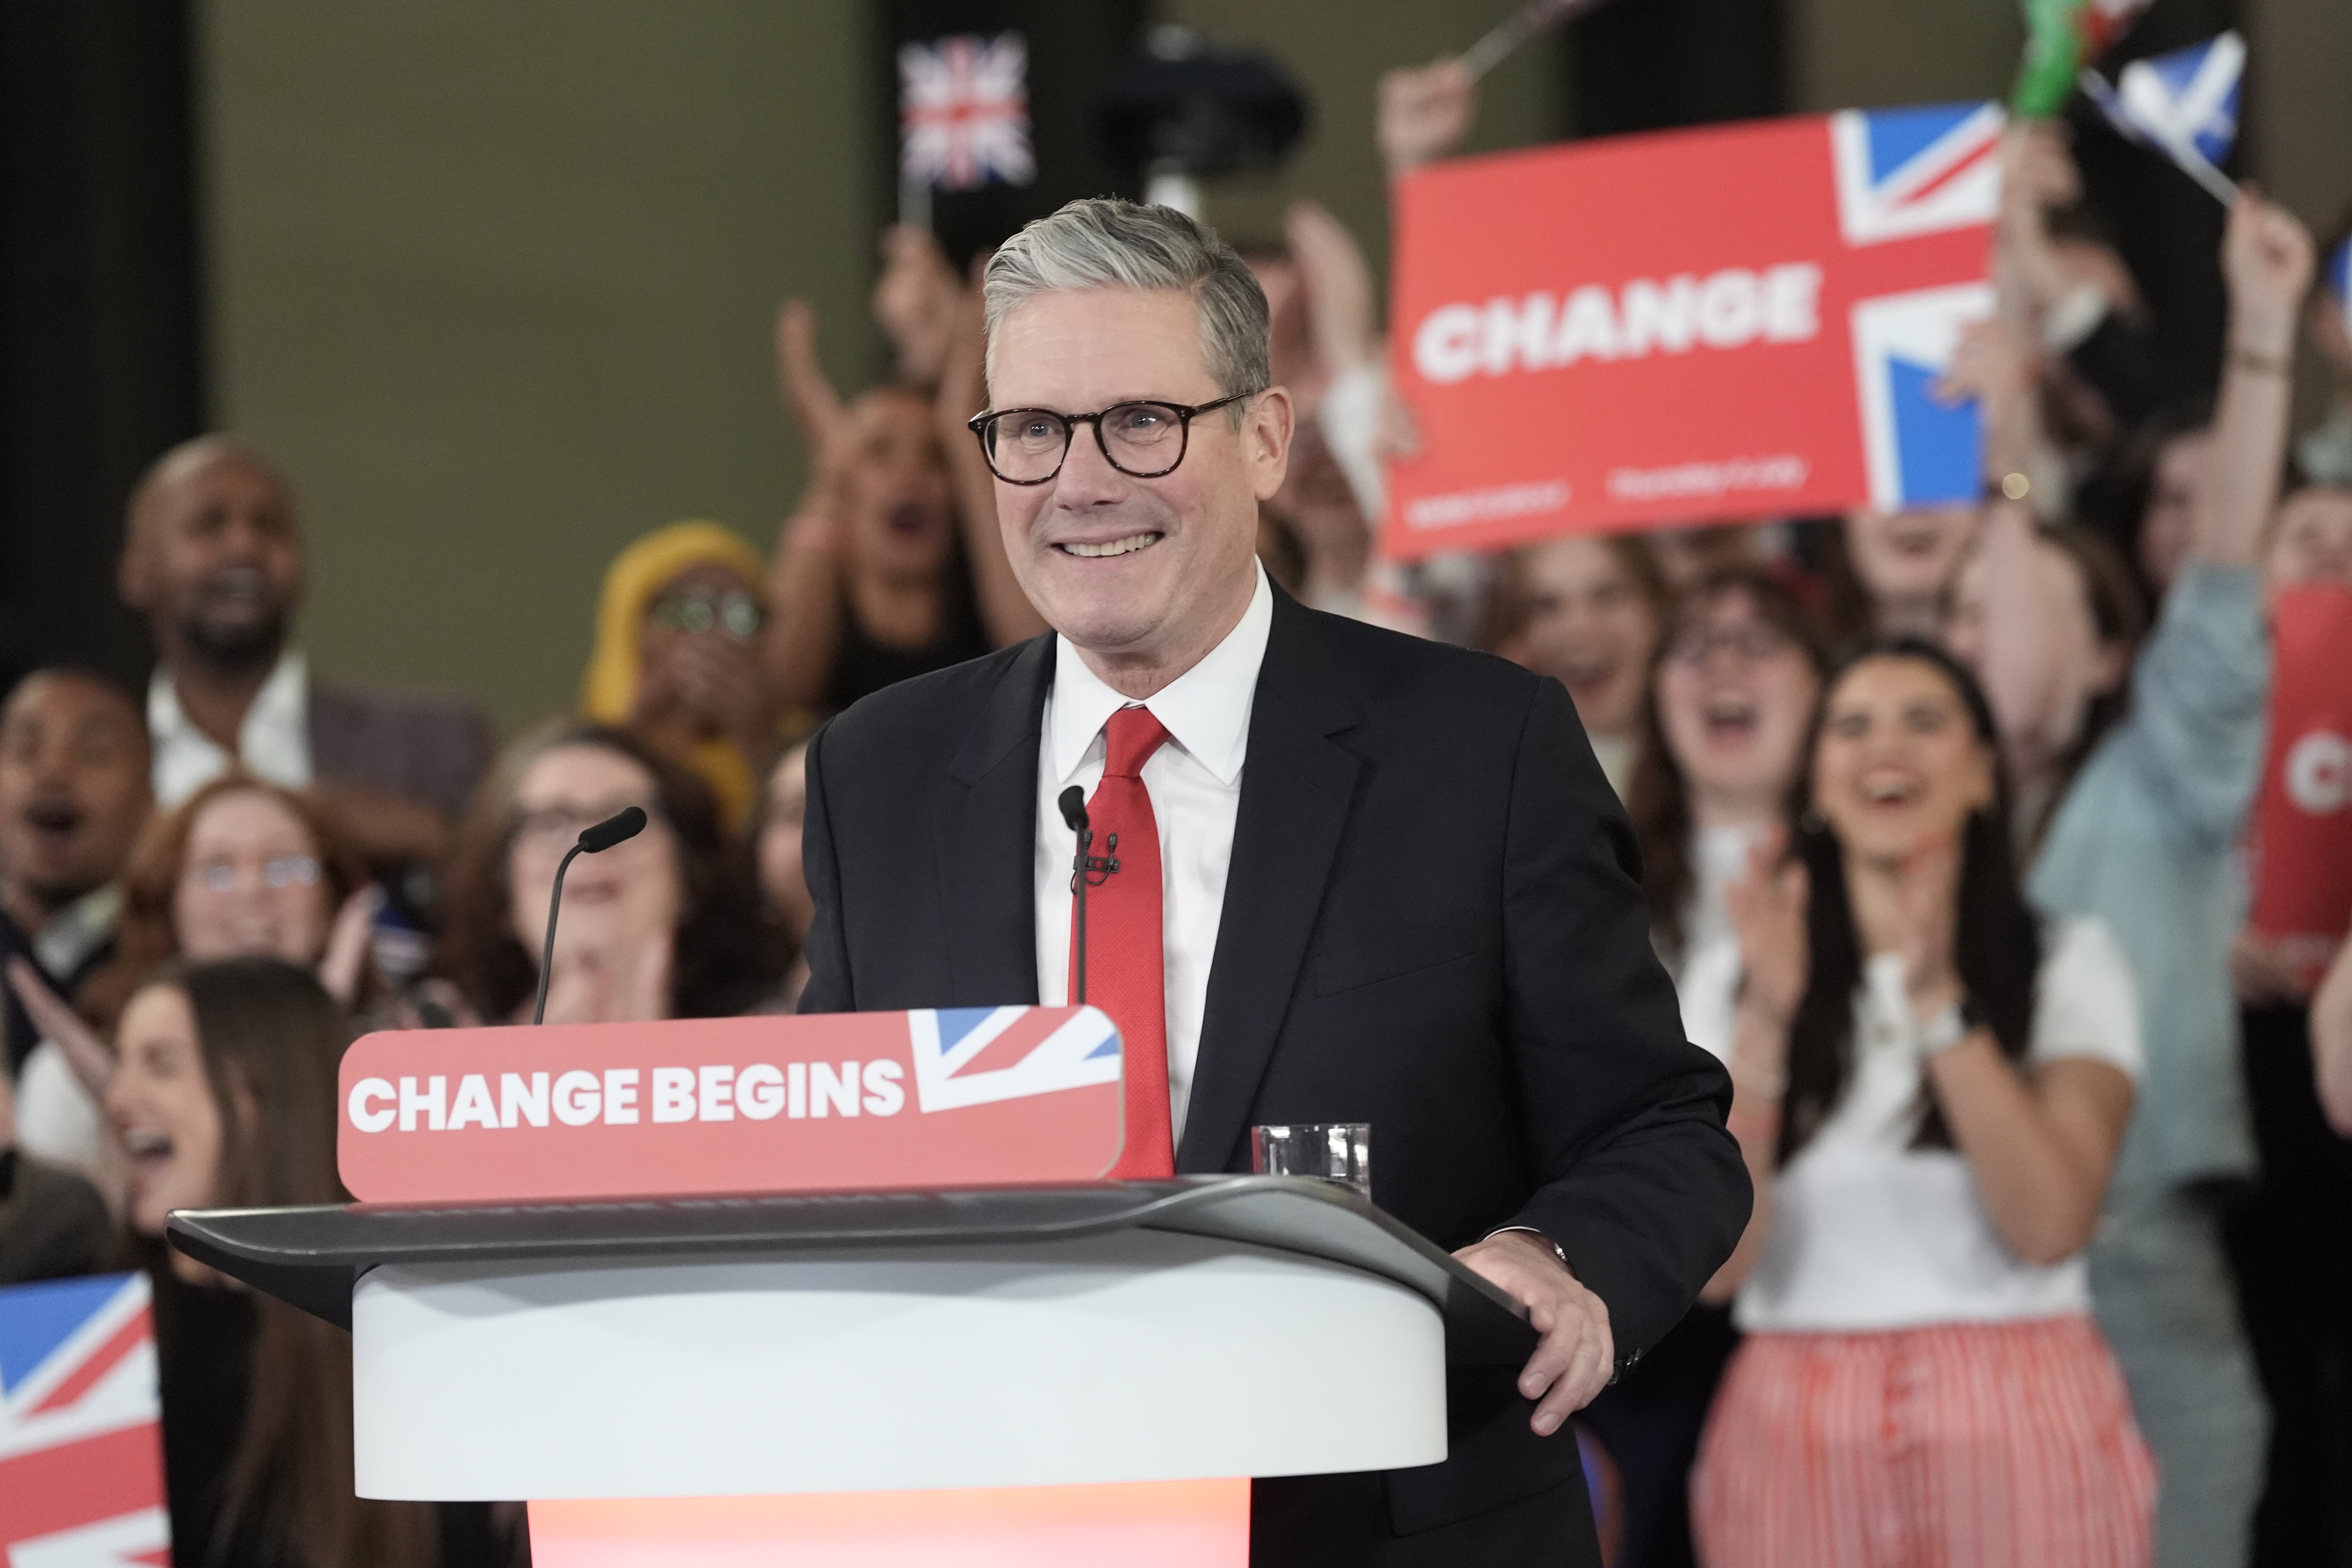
{"x": 2062, "y": 37}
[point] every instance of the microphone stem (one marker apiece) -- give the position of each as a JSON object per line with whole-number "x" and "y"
{"x": 547, "y": 952}
{"x": 1085, "y": 842}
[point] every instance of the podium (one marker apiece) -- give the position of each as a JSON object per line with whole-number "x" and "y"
{"x": 1034, "y": 1375}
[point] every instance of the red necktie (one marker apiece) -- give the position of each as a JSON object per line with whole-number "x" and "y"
{"x": 1126, "y": 972}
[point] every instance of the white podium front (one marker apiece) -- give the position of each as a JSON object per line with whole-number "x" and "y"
{"x": 972, "y": 1377}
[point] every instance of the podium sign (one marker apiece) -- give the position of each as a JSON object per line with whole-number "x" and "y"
{"x": 1710, "y": 325}
{"x": 846, "y": 1103}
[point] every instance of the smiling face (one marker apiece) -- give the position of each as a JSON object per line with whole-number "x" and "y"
{"x": 1735, "y": 696}
{"x": 1591, "y": 627}
{"x": 613, "y": 900}
{"x": 160, "y": 1104}
{"x": 1909, "y": 557}
{"x": 2311, "y": 539}
{"x": 73, "y": 791}
{"x": 897, "y": 498}
{"x": 1897, "y": 765}
{"x": 1141, "y": 575}
{"x": 252, "y": 882}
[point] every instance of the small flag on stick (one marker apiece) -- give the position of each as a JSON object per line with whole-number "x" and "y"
{"x": 2184, "y": 104}
{"x": 2063, "y": 38}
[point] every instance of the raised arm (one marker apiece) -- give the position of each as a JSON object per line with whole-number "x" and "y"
{"x": 806, "y": 585}
{"x": 1004, "y": 609}
{"x": 2266, "y": 258}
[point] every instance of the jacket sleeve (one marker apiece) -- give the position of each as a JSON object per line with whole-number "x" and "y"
{"x": 829, "y": 989}
{"x": 1638, "y": 1182}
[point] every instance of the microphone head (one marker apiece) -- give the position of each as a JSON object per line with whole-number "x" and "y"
{"x": 1073, "y": 802}
{"x": 620, "y": 827}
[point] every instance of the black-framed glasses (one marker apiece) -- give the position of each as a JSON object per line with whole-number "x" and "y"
{"x": 1142, "y": 440}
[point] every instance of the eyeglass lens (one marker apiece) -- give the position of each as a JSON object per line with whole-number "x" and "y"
{"x": 1142, "y": 440}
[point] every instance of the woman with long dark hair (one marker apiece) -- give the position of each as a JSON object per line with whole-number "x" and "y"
{"x": 1930, "y": 1088}
{"x": 225, "y": 1097}
{"x": 666, "y": 925}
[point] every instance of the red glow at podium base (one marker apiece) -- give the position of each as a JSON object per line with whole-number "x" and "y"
{"x": 1156, "y": 1524}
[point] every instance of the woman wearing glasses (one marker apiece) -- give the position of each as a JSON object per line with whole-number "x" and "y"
{"x": 663, "y": 925}
{"x": 677, "y": 656}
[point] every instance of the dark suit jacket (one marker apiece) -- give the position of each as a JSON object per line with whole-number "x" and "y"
{"x": 1432, "y": 923}
{"x": 426, "y": 748}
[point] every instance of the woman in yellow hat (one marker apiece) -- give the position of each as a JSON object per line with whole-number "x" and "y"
{"x": 677, "y": 656}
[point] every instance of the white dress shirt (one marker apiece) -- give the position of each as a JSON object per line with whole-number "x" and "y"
{"x": 1195, "y": 783}
{"x": 273, "y": 743}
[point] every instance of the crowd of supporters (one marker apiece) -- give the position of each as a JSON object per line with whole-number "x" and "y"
{"x": 1944, "y": 820}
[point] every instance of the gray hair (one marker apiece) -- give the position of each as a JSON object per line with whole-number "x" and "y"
{"x": 1102, "y": 242}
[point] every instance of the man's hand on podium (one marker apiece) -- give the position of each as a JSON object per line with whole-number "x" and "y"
{"x": 1574, "y": 1359}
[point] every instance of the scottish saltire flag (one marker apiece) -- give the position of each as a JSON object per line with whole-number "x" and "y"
{"x": 2184, "y": 104}
{"x": 973, "y": 1056}
{"x": 81, "y": 1459}
{"x": 963, "y": 113}
{"x": 1907, "y": 171}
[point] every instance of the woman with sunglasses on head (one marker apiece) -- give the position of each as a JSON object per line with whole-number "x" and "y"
{"x": 661, "y": 925}
{"x": 1930, "y": 1085}
{"x": 1732, "y": 693}
{"x": 225, "y": 1097}
{"x": 679, "y": 630}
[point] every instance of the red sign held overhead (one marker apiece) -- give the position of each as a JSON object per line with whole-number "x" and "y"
{"x": 850, "y": 1101}
{"x": 1699, "y": 325}
{"x": 2303, "y": 818}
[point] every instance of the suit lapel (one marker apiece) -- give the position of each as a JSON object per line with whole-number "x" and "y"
{"x": 984, "y": 832}
{"x": 1297, "y": 784}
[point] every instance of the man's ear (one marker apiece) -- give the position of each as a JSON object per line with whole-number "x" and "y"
{"x": 1266, "y": 431}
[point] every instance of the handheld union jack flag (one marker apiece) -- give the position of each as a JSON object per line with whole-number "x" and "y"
{"x": 963, "y": 110}
{"x": 81, "y": 1464}
{"x": 973, "y": 1056}
{"x": 1902, "y": 173}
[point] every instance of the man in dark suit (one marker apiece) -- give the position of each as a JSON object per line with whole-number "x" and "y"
{"x": 1362, "y": 878}
{"x": 211, "y": 556}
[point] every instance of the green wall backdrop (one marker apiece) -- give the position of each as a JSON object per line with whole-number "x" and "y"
{"x": 495, "y": 283}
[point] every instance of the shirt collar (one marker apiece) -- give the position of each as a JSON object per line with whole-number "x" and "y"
{"x": 273, "y": 742}
{"x": 78, "y": 930}
{"x": 1206, "y": 710}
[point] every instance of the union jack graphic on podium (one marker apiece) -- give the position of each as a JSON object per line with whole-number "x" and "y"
{"x": 976, "y": 1056}
{"x": 82, "y": 1464}
{"x": 1905, "y": 173}
{"x": 963, "y": 111}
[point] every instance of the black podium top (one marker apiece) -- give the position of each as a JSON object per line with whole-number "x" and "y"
{"x": 313, "y": 1256}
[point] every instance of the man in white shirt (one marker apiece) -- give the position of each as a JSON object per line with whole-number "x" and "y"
{"x": 213, "y": 557}
{"x": 1361, "y": 878}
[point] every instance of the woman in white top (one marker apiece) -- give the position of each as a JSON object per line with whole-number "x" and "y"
{"x": 1930, "y": 1089}
{"x": 1732, "y": 694}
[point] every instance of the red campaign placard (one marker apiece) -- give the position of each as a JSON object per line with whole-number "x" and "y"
{"x": 2303, "y": 818}
{"x": 838, "y": 1102}
{"x": 81, "y": 1444}
{"x": 1709, "y": 325}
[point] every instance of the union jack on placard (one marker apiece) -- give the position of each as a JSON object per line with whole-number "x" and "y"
{"x": 1906, "y": 171}
{"x": 1919, "y": 451}
{"x": 963, "y": 111}
{"x": 81, "y": 1464}
{"x": 976, "y": 1056}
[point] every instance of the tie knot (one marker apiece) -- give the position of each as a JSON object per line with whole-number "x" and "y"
{"x": 1129, "y": 738}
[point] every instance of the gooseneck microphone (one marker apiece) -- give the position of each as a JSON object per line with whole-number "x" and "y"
{"x": 619, "y": 827}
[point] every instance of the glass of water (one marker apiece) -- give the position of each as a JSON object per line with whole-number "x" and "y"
{"x": 1338, "y": 1152}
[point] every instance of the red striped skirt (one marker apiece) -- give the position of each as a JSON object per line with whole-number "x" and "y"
{"x": 1960, "y": 1446}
